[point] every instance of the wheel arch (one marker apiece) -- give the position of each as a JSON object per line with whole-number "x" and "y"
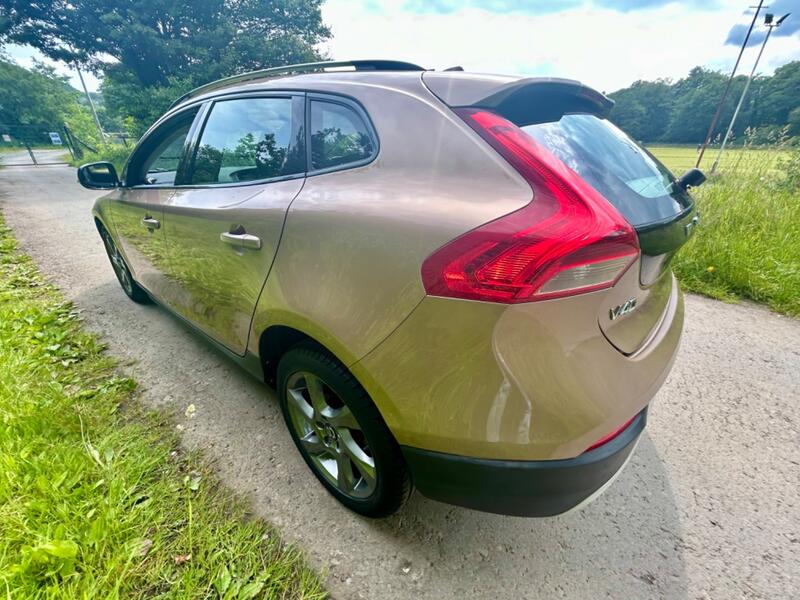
{"x": 277, "y": 340}
{"x": 280, "y": 337}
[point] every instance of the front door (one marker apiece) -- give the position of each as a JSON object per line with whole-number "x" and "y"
{"x": 223, "y": 227}
{"x": 138, "y": 213}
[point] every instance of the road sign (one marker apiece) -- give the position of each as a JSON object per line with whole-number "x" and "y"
{"x": 6, "y": 137}
{"x": 55, "y": 138}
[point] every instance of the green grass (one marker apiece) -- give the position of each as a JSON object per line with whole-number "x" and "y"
{"x": 748, "y": 242}
{"x": 97, "y": 500}
{"x": 679, "y": 159}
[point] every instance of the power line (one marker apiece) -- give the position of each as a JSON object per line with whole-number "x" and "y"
{"x": 728, "y": 86}
{"x": 768, "y": 22}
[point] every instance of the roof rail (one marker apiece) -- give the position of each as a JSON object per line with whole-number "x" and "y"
{"x": 357, "y": 65}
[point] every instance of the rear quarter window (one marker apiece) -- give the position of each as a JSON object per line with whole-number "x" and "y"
{"x": 339, "y": 136}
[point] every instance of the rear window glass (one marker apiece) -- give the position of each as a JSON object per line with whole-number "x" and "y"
{"x": 639, "y": 186}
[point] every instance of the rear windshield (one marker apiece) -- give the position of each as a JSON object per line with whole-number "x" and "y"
{"x": 639, "y": 186}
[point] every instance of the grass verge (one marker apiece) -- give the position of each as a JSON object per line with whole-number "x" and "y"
{"x": 96, "y": 498}
{"x": 748, "y": 241}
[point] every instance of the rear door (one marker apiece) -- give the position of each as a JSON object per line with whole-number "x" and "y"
{"x": 137, "y": 213}
{"x": 224, "y": 222}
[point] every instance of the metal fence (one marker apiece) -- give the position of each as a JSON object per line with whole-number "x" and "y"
{"x": 39, "y": 144}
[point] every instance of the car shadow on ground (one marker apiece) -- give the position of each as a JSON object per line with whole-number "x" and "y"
{"x": 599, "y": 548}
{"x": 428, "y": 547}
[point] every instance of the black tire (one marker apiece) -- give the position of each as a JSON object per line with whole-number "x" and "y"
{"x": 391, "y": 485}
{"x": 123, "y": 273}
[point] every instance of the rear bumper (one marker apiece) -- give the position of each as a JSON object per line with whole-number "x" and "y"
{"x": 522, "y": 488}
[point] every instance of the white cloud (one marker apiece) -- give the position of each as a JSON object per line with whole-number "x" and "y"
{"x": 603, "y": 48}
{"x": 25, "y": 56}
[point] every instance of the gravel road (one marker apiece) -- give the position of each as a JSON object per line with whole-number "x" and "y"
{"x": 707, "y": 508}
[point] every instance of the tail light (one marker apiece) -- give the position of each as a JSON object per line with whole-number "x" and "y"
{"x": 568, "y": 240}
{"x": 613, "y": 435}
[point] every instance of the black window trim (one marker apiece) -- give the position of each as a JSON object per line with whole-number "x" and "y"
{"x": 203, "y": 107}
{"x": 147, "y": 139}
{"x": 352, "y": 104}
{"x": 187, "y": 162}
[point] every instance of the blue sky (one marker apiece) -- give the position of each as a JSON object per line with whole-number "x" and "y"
{"x": 605, "y": 43}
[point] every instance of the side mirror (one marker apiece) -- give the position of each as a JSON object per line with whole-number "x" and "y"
{"x": 98, "y": 176}
{"x": 692, "y": 178}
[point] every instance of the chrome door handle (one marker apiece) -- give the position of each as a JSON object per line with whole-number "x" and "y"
{"x": 151, "y": 223}
{"x": 240, "y": 240}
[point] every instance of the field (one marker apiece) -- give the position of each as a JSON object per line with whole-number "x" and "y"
{"x": 681, "y": 158}
{"x": 748, "y": 241}
{"x": 97, "y": 498}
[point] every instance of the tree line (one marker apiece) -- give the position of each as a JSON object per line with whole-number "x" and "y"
{"x": 150, "y": 52}
{"x": 679, "y": 112}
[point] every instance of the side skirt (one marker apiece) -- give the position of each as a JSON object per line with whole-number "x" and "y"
{"x": 249, "y": 362}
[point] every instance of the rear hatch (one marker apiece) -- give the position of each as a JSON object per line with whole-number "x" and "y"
{"x": 570, "y": 120}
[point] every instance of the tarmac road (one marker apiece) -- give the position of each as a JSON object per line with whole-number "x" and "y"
{"x": 707, "y": 508}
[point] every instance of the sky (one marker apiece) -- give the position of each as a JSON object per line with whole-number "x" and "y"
{"x": 607, "y": 44}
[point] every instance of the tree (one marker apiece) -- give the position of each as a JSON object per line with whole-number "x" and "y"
{"x": 643, "y": 109}
{"x": 20, "y": 86}
{"x": 165, "y": 47}
{"x": 680, "y": 112}
{"x": 781, "y": 94}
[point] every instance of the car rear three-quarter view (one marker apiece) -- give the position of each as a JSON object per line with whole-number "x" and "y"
{"x": 457, "y": 283}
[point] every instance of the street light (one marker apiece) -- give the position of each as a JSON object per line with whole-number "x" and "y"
{"x": 721, "y": 102}
{"x": 768, "y": 22}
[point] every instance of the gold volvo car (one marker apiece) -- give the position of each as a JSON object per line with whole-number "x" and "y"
{"x": 458, "y": 283}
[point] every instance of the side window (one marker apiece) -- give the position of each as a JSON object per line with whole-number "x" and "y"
{"x": 157, "y": 162}
{"x": 250, "y": 139}
{"x": 338, "y": 135}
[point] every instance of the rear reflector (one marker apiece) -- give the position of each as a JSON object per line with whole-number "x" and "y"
{"x": 607, "y": 438}
{"x": 568, "y": 240}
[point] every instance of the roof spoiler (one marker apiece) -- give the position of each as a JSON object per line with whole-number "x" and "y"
{"x": 524, "y": 101}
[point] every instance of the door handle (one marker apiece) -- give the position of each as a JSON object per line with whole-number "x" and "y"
{"x": 151, "y": 223}
{"x": 241, "y": 240}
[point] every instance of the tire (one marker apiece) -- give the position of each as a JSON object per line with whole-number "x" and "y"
{"x": 123, "y": 273}
{"x": 340, "y": 433}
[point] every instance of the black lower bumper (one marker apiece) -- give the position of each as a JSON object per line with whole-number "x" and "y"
{"x": 523, "y": 488}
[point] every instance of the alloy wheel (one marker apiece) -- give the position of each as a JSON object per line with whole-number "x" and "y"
{"x": 330, "y": 434}
{"x": 118, "y": 264}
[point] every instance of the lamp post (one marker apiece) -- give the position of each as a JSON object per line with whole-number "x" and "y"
{"x": 768, "y": 22}
{"x": 718, "y": 112}
{"x": 91, "y": 104}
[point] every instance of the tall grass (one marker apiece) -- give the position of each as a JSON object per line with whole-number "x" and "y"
{"x": 97, "y": 499}
{"x": 747, "y": 243}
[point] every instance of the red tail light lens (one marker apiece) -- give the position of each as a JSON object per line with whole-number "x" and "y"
{"x": 607, "y": 438}
{"x": 567, "y": 240}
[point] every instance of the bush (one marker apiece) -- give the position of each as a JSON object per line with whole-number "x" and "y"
{"x": 117, "y": 154}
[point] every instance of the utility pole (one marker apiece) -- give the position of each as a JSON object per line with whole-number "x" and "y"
{"x": 727, "y": 87}
{"x": 768, "y": 22}
{"x": 91, "y": 104}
